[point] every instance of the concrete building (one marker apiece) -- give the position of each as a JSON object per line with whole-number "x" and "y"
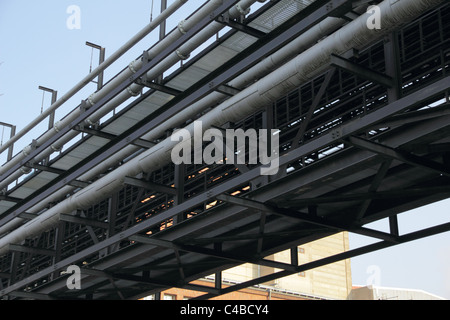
{"x": 330, "y": 282}
{"x": 383, "y": 293}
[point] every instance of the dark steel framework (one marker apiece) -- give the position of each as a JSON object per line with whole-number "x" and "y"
{"x": 362, "y": 142}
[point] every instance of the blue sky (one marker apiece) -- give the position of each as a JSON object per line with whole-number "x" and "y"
{"x": 38, "y": 49}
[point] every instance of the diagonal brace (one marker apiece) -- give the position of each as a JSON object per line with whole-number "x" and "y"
{"x": 299, "y": 216}
{"x": 396, "y": 154}
{"x": 362, "y": 71}
{"x": 210, "y": 252}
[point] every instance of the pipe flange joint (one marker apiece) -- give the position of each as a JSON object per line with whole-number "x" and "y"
{"x": 241, "y": 10}
{"x": 181, "y": 26}
{"x": 91, "y": 100}
{"x": 132, "y": 93}
{"x": 56, "y": 126}
{"x": 182, "y": 56}
{"x": 131, "y": 67}
{"x": 25, "y": 170}
{"x": 89, "y": 122}
{"x": 27, "y": 150}
{"x": 55, "y": 148}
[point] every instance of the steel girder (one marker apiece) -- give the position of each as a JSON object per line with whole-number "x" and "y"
{"x": 272, "y": 193}
{"x": 258, "y": 213}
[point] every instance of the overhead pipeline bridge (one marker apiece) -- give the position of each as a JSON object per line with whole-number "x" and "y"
{"x": 363, "y": 119}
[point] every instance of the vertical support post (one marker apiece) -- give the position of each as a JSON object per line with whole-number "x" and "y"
{"x": 11, "y": 148}
{"x": 51, "y": 119}
{"x": 180, "y": 171}
{"x": 101, "y": 60}
{"x": 59, "y": 236}
{"x": 162, "y": 34}
{"x": 268, "y": 123}
{"x": 294, "y": 256}
{"x": 112, "y": 214}
{"x": 218, "y": 275}
{"x": 14, "y": 264}
{"x": 218, "y": 280}
{"x": 162, "y": 30}
{"x": 262, "y": 224}
{"x": 54, "y": 93}
{"x": 101, "y": 74}
{"x": 392, "y": 60}
{"x": 393, "y": 225}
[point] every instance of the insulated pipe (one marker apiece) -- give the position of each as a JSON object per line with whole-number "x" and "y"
{"x": 138, "y": 37}
{"x": 134, "y": 66}
{"x": 240, "y": 8}
{"x": 243, "y": 7}
{"x": 210, "y": 6}
{"x": 75, "y": 113}
{"x": 299, "y": 70}
{"x": 304, "y": 41}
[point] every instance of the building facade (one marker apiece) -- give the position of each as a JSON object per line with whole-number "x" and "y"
{"x": 330, "y": 282}
{"x": 384, "y": 293}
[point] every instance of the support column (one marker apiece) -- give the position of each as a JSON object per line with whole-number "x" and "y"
{"x": 162, "y": 34}
{"x": 180, "y": 171}
{"x": 393, "y": 70}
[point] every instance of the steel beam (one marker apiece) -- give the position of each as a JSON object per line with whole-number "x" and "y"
{"x": 376, "y": 183}
{"x": 331, "y": 259}
{"x": 361, "y": 71}
{"x": 299, "y": 216}
{"x": 305, "y": 122}
{"x": 237, "y": 65}
{"x": 397, "y": 154}
{"x": 139, "y": 73}
{"x": 148, "y": 185}
{"x": 84, "y": 221}
{"x": 164, "y": 284}
{"x": 414, "y": 116}
{"x": 350, "y": 128}
{"x": 9, "y": 199}
{"x": 391, "y": 194}
{"x": 25, "y": 249}
{"x": 241, "y": 27}
{"x": 31, "y": 295}
{"x": 98, "y": 133}
{"x": 210, "y": 252}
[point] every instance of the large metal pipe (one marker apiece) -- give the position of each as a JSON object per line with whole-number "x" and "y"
{"x": 291, "y": 75}
{"x": 125, "y": 74}
{"x": 116, "y": 55}
{"x": 241, "y": 7}
{"x": 303, "y": 42}
{"x": 75, "y": 113}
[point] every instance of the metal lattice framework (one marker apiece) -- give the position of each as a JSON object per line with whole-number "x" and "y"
{"x": 365, "y": 139}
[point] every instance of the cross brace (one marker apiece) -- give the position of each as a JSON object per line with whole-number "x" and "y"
{"x": 361, "y": 71}
{"x": 299, "y": 216}
{"x": 397, "y": 154}
{"x": 210, "y": 252}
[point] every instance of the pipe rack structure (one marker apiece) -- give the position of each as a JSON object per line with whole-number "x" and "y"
{"x": 297, "y": 52}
